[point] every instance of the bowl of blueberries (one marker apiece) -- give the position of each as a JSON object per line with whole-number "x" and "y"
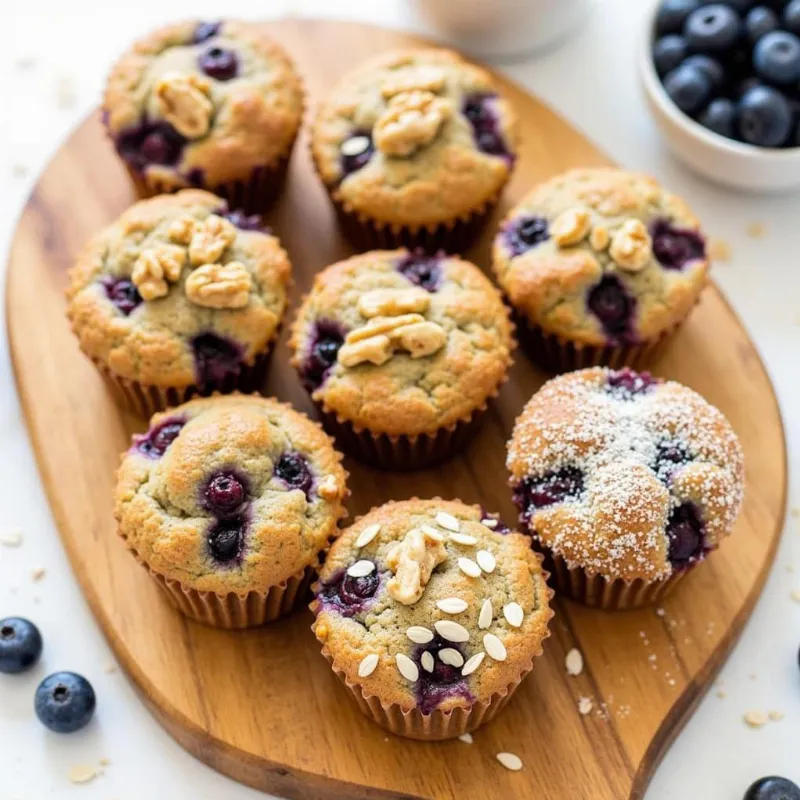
{"x": 722, "y": 80}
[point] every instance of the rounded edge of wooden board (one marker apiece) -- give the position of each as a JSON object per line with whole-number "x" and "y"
{"x": 263, "y": 774}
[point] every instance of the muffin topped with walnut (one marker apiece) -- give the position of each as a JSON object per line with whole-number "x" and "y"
{"x": 601, "y": 266}
{"x": 179, "y": 296}
{"x": 414, "y": 147}
{"x": 402, "y": 351}
{"x": 431, "y": 612}
{"x": 213, "y": 105}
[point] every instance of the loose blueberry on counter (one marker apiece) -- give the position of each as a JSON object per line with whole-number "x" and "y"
{"x": 20, "y": 645}
{"x": 613, "y": 306}
{"x": 325, "y": 343}
{"x": 672, "y": 15}
{"x": 689, "y": 87}
{"x": 422, "y": 269}
{"x": 151, "y": 143}
{"x": 205, "y": 31}
{"x": 675, "y": 247}
{"x": 356, "y": 151}
{"x": 764, "y": 117}
{"x": 625, "y": 383}
{"x": 759, "y": 22}
{"x": 477, "y": 108}
{"x": 524, "y": 233}
{"x": 554, "y": 487}
{"x": 791, "y": 17}
{"x": 226, "y": 540}
{"x": 64, "y": 702}
{"x": 669, "y": 52}
{"x": 155, "y": 442}
{"x": 122, "y": 293}
{"x": 292, "y": 469}
{"x": 444, "y": 682}
{"x": 719, "y": 116}
{"x": 685, "y": 534}
{"x": 216, "y": 360}
{"x": 713, "y": 28}
{"x": 224, "y": 494}
{"x": 773, "y": 788}
{"x": 219, "y": 63}
{"x": 776, "y": 57}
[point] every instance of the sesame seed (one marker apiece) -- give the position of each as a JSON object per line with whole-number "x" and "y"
{"x": 367, "y": 535}
{"x": 406, "y": 667}
{"x": 466, "y": 738}
{"x": 447, "y": 521}
{"x": 361, "y": 569}
{"x": 473, "y": 662}
{"x": 574, "y": 662}
{"x": 452, "y": 605}
{"x": 354, "y": 146}
{"x": 489, "y": 523}
{"x": 510, "y": 761}
{"x": 514, "y": 614}
{"x": 495, "y": 649}
{"x": 451, "y": 631}
{"x": 486, "y": 615}
{"x": 486, "y": 561}
{"x": 427, "y": 661}
{"x": 469, "y": 567}
{"x": 431, "y": 532}
{"x": 585, "y": 705}
{"x": 463, "y": 538}
{"x": 756, "y": 719}
{"x": 419, "y": 635}
{"x": 367, "y": 665}
{"x": 451, "y": 656}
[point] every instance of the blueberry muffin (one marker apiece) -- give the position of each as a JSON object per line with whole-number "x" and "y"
{"x": 401, "y": 352}
{"x": 230, "y": 502}
{"x": 601, "y": 267}
{"x": 626, "y": 483}
{"x": 212, "y": 105}
{"x": 414, "y": 147}
{"x": 431, "y": 615}
{"x": 179, "y": 297}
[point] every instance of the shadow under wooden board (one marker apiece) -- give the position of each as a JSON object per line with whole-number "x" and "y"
{"x": 263, "y": 706}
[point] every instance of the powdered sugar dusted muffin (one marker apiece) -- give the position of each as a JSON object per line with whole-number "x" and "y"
{"x": 179, "y": 297}
{"x": 215, "y": 105}
{"x": 430, "y": 615}
{"x": 402, "y": 351}
{"x": 229, "y": 502}
{"x": 414, "y": 147}
{"x": 601, "y": 266}
{"x": 625, "y": 481}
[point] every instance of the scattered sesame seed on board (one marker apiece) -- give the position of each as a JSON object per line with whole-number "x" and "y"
{"x": 11, "y": 539}
{"x": 776, "y": 716}
{"x": 510, "y": 761}
{"x": 38, "y": 573}
{"x": 585, "y": 705}
{"x": 82, "y": 773}
{"x": 574, "y": 662}
{"x": 466, "y": 738}
{"x": 755, "y": 719}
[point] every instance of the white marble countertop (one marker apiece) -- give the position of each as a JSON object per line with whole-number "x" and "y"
{"x": 52, "y": 68}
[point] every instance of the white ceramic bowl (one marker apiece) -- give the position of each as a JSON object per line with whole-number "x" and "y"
{"x": 742, "y": 166}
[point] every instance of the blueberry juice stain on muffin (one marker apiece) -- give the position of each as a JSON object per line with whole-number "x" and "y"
{"x": 323, "y": 349}
{"x": 421, "y": 269}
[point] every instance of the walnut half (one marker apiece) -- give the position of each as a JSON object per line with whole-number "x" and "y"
{"x": 412, "y": 120}
{"x": 412, "y": 561}
{"x": 184, "y": 101}
{"x": 220, "y": 285}
{"x": 155, "y": 267}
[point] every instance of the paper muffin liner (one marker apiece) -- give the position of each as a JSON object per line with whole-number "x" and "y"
{"x": 610, "y": 595}
{"x": 253, "y": 196}
{"x": 146, "y": 399}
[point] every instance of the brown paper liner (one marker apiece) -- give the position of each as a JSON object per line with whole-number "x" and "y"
{"x": 598, "y": 592}
{"x": 557, "y": 354}
{"x": 146, "y": 399}
{"x": 253, "y": 196}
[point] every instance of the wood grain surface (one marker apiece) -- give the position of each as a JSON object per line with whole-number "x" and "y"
{"x": 262, "y": 706}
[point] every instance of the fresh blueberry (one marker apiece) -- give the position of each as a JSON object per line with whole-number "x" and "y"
{"x": 20, "y": 645}
{"x": 668, "y": 52}
{"x": 422, "y": 270}
{"x": 719, "y": 117}
{"x": 217, "y": 361}
{"x": 739, "y": 6}
{"x": 443, "y": 681}
{"x": 713, "y": 28}
{"x": 689, "y": 88}
{"x": 348, "y": 594}
{"x": 675, "y": 247}
{"x": 670, "y": 454}
{"x": 479, "y": 110}
{"x": 759, "y": 22}
{"x": 122, "y": 293}
{"x": 224, "y": 493}
{"x": 776, "y": 57}
{"x": 685, "y": 532}
{"x": 764, "y": 117}
{"x": 219, "y": 63}
{"x": 791, "y": 17}
{"x": 226, "y": 540}
{"x": 356, "y": 151}
{"x": 293, "y": 470}
{"x": 205, "y": 31}
{"x": 625, "y": 383}
{"x": 328, "y": 337}
{"x": 246, "y": 222}
{"x": 712, "y": 68}
{"x": 773, "y": 788}
{"x": 672, "y": 15}
{"x": 151, "y": 143}
{"x": 65, "y": 702}
{"x": 525, "y": 233}
{"x": 612, "y": 305}
{"x": 155, "y": 442}
{"x": 552, "y": 488}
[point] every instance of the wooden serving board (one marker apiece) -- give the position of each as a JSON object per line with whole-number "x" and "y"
{"x": 263, "y": 706}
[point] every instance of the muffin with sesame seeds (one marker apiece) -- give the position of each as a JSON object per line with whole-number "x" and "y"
{"x": 414, "y": 147}
{"x": 401, "y": 352}
{"x": 601, "y": 267}
{"x": 180, "y": 296}
{"x": 626, "y": 483}
{"x": 431, "y": 616}
{"x": 230, "y": 502}
{"x": 212, "y": 105}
